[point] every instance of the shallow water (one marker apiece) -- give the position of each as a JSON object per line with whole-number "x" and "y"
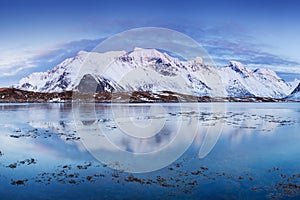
{"x": 150, "y": 151}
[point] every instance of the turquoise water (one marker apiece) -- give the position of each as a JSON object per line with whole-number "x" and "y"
{"x": 150, "y": 151}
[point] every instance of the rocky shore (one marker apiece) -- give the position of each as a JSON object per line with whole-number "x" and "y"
{"x": 12, "y": 95}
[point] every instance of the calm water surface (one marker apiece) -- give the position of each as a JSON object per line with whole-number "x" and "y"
{"x": 150, "y": 151}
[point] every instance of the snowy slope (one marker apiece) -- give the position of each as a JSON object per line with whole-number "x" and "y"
{"x": 152, "y": 70}
{"x": 242, "y": 81}
{"x": 295, "y": 95}
{"x": 68, "y": 74}
{"x": 294, "y": 84}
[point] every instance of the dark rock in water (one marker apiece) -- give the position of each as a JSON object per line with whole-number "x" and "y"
{"x": 134, "y": 179}
{"x": 89, "y": 178}
{"x": 19, "y": 182}
{"x": 86, "y": 166}
{"x": 283, "y": 175}
{"x": 203, "y": 168}
{"x": 1, "y": 154}
{"x": 14, "y": 136}
{"x": 12, "y": 166}
{"x": 22, "y": 162}
{"x": 28, "y": 161}
{"x": 166, "y": 185}
{"x": 196, "y": 172}
{"x": 72, "y": 182}
{"x": 177, "y": 165}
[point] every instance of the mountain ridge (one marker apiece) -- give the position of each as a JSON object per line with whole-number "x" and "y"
{"x": 152, "y": 70}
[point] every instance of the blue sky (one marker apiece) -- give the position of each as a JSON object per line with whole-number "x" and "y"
{"x": 37, "y": 35}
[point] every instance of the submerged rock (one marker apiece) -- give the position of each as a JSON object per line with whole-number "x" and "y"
{"x": 19, "y": 182}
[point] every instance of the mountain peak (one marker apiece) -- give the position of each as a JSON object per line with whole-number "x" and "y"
{"x": 138, "y": 49}
{"x": 236, "y": 64}
{"x": 239, "y": 68}
{"x": 198, "y": 60}
{"x": 146, "y": 53}
{"x": 82, "y": 52}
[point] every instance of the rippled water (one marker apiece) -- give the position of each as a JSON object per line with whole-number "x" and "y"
{"x": 150, "y": 151}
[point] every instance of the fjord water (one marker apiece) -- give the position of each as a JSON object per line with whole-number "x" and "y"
{"x": 150, "y": 151}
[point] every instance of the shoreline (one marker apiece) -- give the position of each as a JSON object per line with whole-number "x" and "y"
{"x": 12, "y": 95}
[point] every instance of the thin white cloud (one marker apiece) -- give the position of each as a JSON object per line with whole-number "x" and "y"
{"x": 12, "y": 60}
{"x": 15, "y": 70}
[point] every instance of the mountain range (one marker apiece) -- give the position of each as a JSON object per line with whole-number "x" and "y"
{"x": 152, "y": 70}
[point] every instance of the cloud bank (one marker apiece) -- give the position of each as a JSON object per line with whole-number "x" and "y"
{"x": 225, "y": 43}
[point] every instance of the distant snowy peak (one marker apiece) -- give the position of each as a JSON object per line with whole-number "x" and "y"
{"x": 242, "y": 81}
{"x": 295, "y": 95}
{"x": 239, "y": 67}
{"x": 153, "y": 70}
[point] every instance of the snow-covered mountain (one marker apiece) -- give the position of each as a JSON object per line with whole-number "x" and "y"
{"x": 242, "y": 81}
{"x": 295, "y": 95}
{"x": 152, "y": 70}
